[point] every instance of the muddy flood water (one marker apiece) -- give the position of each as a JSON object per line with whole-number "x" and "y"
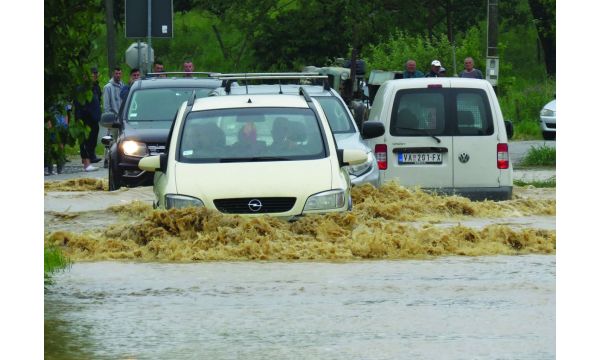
{"x": 405, "y": 275}
{"x": 500, "y": 307}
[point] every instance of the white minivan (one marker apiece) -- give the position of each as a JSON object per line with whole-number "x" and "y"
{"x": 445, "y": 134}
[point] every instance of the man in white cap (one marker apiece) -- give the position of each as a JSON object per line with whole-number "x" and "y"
{"x": 435, "y": 69}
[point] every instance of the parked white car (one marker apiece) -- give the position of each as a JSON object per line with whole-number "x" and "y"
{"x": 253, "y": 154}
{"x": 548, "y": 120}
{"x": 445, "y": 134}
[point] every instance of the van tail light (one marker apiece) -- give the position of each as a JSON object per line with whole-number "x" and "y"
{"x": 381, "y": 156}
{"x": 502, "y": 156}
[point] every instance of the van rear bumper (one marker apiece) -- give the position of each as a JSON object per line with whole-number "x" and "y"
{"x": 479, "y": 193}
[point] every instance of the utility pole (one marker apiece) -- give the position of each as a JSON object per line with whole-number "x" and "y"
{"x": 110, "y": 36}
{"x": 492, "y": 58}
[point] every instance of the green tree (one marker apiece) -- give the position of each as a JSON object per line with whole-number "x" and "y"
{"x": 70, "y": 27}
{"x": 544, "y": 13}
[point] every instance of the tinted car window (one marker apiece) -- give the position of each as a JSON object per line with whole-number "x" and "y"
{"x": 424, "y": 112}
{"x": 338, "y": 117}
{"x": 148, "y": 105}
{"x": 415, "y": 112}
{"x": 251, "y": 134}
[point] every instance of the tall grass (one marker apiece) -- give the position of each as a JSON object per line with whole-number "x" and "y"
{"x": 540, "y": 156}
{"x": 54, "y": 261}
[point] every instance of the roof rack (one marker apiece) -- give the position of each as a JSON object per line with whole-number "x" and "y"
{"x": 228, "y": 79}
{"x": 304, "y": 93}
{"x": 175, "y": 73}
{"x": 276, "y": 74}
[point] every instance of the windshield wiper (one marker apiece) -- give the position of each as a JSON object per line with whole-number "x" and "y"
{"x": 422, "y": 131}
{"x": 256, "y": 158}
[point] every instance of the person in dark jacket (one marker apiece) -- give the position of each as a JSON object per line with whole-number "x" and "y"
{"x": 90, "y": 112}
{"x": 411, "y": 71}
{"x": 134, "y": 75}
{"x": 435, "y": 69}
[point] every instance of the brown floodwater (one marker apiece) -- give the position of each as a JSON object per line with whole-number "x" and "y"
{"x": 390, "y": 222}
{"x": 196, "y": 284}
{"x": 499, "y": 307}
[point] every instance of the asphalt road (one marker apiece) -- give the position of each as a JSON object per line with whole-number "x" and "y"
{"x": 516, "y": 149}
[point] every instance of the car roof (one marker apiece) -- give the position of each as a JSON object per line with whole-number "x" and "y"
{"x": 313, "y": 90}
{"x": 171, "y": 82}
{"x": 446, "y": 82}
{"x": 252, "y": 100}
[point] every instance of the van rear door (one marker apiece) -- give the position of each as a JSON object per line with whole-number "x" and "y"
{"x": 420, "y": 152}
{"x": 475, "y": 141}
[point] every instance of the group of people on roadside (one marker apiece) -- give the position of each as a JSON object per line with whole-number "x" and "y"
{"x": 437, "y": 70}
{"x": 110, "y": 97}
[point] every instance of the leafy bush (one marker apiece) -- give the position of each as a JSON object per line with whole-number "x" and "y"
{"x": 400, "y": 47}
{"x": 540, "y": 156}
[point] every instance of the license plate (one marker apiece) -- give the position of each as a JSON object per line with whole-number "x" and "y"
{"x": 419, "y": 158}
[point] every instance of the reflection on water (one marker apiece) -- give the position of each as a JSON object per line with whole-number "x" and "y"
{"x": 453, "y": 308}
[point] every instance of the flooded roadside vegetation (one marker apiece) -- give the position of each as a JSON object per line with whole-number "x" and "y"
{"x": 386, "y": 223}
{"x": 80, "y": 184}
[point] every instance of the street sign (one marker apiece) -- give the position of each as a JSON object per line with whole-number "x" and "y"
{"x": 136, "y": 18}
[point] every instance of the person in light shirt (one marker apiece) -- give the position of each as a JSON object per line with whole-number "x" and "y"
{"x": 470, "y": 71}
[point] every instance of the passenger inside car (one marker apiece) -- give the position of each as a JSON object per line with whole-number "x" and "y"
{"x": 247, "y": 142}
{"x": 204, "y": 141}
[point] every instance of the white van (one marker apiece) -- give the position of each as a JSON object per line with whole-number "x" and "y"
{"x": 445, "y": 134}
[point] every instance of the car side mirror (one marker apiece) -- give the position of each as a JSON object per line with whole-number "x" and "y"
{"x": 109, "y": 120}
{"x": 509, "y": 128}
{"x": 351, "y": 157}
{"x": 372, "y": 129}
{"x": 154, "y": 163}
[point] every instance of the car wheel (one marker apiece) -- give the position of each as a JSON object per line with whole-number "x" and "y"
{"x": 114, "y": 177}
{"x": 549, "y": 135}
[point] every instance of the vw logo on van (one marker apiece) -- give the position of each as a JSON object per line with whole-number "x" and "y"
{"x": 254, "y": 205}
{"x": 464, "y": 157}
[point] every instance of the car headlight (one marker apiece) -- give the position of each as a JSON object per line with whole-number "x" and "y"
{"x": 358, "y": 170}
{"x": 134, "y": 148}
{"x": 181, "y": 201}
{"x": 333, "y": 199}
{"x": 345, "y": 76}
{"x": 548, "y": 112}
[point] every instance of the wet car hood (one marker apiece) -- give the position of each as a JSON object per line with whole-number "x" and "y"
{"x": 156, "y": 132}
{"x": 351, "y": 141}
{"x": 253, "y": 179}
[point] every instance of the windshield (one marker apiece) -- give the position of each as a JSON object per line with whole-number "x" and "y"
{"x": 148, "y": 105}
{"x": 338, "y": 117}
{"x": 251, "y": 134}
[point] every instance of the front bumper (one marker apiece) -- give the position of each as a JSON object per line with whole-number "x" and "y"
{"x": 370, "y": 177}
{"x": 548, "y": 123}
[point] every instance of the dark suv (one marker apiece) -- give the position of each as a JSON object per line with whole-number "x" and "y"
{"x": 143, "y": 123}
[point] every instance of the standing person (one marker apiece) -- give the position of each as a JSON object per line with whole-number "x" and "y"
{"x": 57, "y": 134}
{"x": 159, "y": 68}
{"x": 89, "y": 112}
{"x": 112, "y": 103}
{"x": 435, "y": 69}
{"x": 112, "y": 92}
{"x": 188, "y": 67}
{"x": 134, "y": 75}
{"x": 470, "y": 71}
{"x": 411, "y": 71}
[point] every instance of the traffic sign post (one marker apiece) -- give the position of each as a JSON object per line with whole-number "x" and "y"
{"x": 148, "y": 18}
